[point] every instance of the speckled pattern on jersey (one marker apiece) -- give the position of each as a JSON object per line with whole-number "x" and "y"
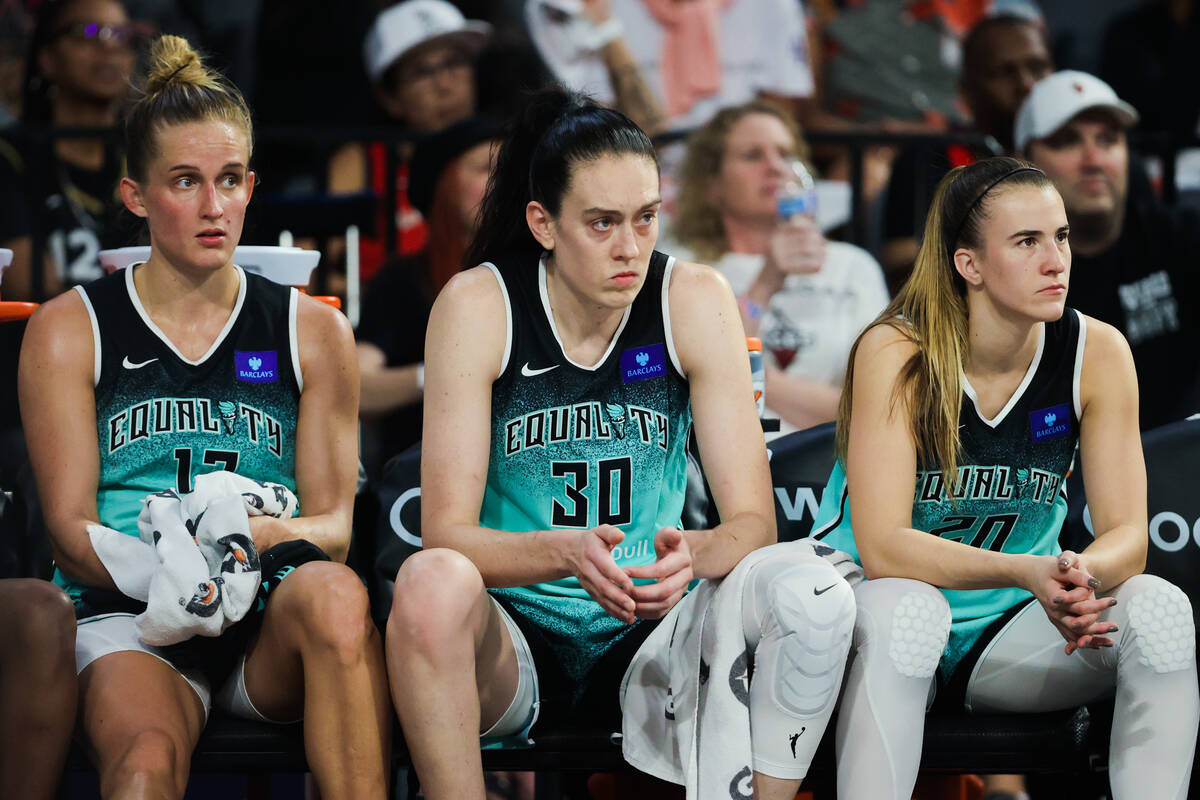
{"x": 1010, "y": 493}
{"x": 161, "y": 421}
{"x": 576, "y": 448}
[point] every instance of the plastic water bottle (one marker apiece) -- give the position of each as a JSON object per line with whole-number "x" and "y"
{"x": 758, "y": 378}
{"x": 798, "y": 195}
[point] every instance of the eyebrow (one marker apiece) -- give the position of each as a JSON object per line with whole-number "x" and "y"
{"x": 613, "y": 212}
{"x": 194, "y": 168}
{"x": 1027, "y": 233}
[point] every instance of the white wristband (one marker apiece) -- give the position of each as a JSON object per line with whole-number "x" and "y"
{"x": 421, "y": 377}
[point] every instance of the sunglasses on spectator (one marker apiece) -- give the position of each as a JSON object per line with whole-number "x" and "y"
{"x": 93, "y": 32}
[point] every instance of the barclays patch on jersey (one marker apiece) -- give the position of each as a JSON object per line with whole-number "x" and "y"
{"x": 643, "y": 363}
{"x": 1050, "y": 423}
{"x": 256, "y": 366}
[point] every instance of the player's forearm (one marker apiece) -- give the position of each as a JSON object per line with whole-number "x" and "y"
{"x": 506, "y": 558}
{"x": 715, "y": 552}
{"x": 330, "y": 532}
{"x": 1116, "y": 555}
{"x": 909, "y": 553}
{"x": 74, "y": 556}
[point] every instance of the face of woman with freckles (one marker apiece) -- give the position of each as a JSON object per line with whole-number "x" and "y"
{"x": 604, "y": 234}
{"x": 195, "y": 193}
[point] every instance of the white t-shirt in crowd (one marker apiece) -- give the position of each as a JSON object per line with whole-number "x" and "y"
{"x": 763, "y": 48}
{"x": 811, "y": 323}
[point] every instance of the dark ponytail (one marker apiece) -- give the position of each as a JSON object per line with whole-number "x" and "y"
{"x": 556, "y": 130}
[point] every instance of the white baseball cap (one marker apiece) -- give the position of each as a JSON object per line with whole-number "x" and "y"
{"x": 1057, "y": 98}
{"x": 402, "y": 27}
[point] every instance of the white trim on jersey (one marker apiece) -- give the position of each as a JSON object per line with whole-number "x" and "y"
{"x": 1079, "y": 345}
{"x": 294, "y": 337}
{"x": 87, "y": 303}
{"x": 969, "y": 390}
{"x": 508, "y": 320}
{"x": 233, "y": 316}
{"x": 666, "y": 316}
{"x": 554, "y": 328}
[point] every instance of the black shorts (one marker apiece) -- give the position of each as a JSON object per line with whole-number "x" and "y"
{"x": 564, "y": 702}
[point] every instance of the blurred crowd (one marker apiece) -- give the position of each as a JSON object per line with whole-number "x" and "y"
{"x": 384, "y": 117}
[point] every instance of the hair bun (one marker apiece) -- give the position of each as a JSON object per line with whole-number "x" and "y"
{"x": 172, "y": 60}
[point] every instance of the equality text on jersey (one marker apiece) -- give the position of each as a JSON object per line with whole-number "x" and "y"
{"x": 999, "y": 482}
{"x": 585, "y": 421}
{"x": 166, "y": 415}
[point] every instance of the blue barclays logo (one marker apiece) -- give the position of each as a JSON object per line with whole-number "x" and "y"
{"x": 643, "y": 363}
{"x": 256, "y": 366}
{"x": 1050, "y": 423}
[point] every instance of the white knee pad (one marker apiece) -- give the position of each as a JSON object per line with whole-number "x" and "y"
{"x": 810, "y": 612}
{"x": 920, "y": 628}
{"x": 1161, "y": 622}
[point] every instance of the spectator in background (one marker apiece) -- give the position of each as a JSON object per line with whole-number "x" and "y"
{"x": 449, "y": 175}
{"x": 1002, "y": 58}
{"x": 420, "y": 57}
{"x": 584, "y": 44}
{"x": 805, "y": 297}
{"x": 1134, "y": 262}
{"x": 58, "y": 197}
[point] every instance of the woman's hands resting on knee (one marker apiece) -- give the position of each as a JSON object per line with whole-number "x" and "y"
{"x": 1067, "y": 593}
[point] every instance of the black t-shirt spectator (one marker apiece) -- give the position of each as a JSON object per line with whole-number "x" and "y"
{"x": 1148, "y": 285}
{"x": 72, "y": 213}
{"x": 395, "y": 313}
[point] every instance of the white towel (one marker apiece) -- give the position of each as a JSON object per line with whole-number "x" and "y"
{"x": 685, "y": 696}
{"x": 193, "y": 562}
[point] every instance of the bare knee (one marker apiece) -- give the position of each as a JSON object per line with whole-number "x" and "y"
{"x": 152, "y": 763}
{"x": 436, "y": 600}
{"x": 327, "y": 606}
{"x": 37, "y": 619}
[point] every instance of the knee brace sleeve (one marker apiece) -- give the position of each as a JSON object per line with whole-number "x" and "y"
{"x": 920, "y": 627}
{"x": 1162, "y": 625}
{"x": 809, "y": 614}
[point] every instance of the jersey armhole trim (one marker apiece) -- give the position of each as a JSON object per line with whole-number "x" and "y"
{"x": 508, "y": 321}
{"x": 87, "y": 303}
{"x": 666, "y": 316}
{"x": 294, "y": 337}
{"x": 1075, "y": 378}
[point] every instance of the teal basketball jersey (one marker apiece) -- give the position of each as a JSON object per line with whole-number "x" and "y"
{"x": 575, "y": 446}
{"x": 1010, "y": 492}
{"x": 162, "y": 419}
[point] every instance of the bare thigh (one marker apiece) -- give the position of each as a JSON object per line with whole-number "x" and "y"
{"x": 127, "y": 695}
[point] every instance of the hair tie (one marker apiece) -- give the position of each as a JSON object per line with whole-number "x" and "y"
{"x": 178, "y": 69}
{"x": 979, "y": 197}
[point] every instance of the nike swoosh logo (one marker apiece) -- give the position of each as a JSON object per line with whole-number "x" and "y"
{"x": 529, "y": 373}
{"x": 127, "y": 364}
{"x": 819, "y": 592}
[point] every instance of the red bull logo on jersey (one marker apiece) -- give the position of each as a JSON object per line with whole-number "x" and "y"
{"x": 583, "y": 421}
{"x": 167, "y": 415}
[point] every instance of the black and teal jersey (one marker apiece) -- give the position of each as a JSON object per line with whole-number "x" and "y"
{"x": 162, "y": 419}
{"x": 1010, "y": 491}
{"x": 576, "y": 446}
